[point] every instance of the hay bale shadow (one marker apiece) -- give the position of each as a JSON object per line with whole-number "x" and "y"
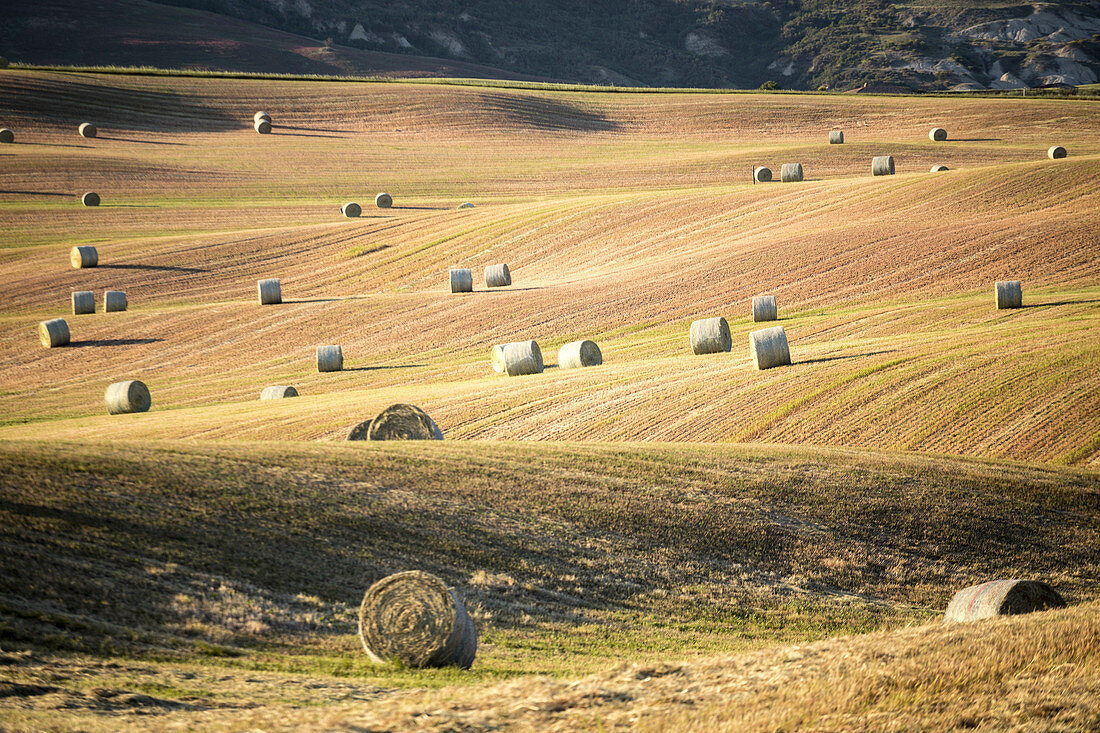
{"x": 846, "y": 356}
{"x": 157, "y": 268}
{"x": 113, "y": 342}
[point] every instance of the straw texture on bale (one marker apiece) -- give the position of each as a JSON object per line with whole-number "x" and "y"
{"x": 83, "y": 302}
{"x": 1002, "y": 598}
{"x": 330, "y": 359}
{"x": 278, "y": 392}
{"x": 398, "y": 422}
{"x": 83, "y": 256}
{"x": 270, "y": 291}
{"x": 836, "y": 137}
{"x": 261, "y": 116}
{"x": 415, "y": 619}
{"x": 882, "y": 165}
{"x": 497, "y": 276}
{"x": 937, "y": 134}
{"x": 791, "y": 173}
{"x": 496, "y": 358}
{"x": 91, "y": 198}
{"x": 87, "y": 129}
{"x": 125, "y": 397}
{"x": 1008, "y": 294}
{"x": 383, "y": 200}
{"x": 577, "y": 354}
{"x": 710, "y": 336}
{"x": 462, "y": 281}
{"x": 6, "y": 135}
{"x": 937, "y": 169}
{"x": 1056, "y": 151}
{"x": 764, "y": 308}
{"x": 114, "y": 301}
{"x": 522, "y": 357}
{"x": 351, "y": 209}
{"x": 262, "y": 126}
{"x": 769, "y": 348}
{"x": 762, "y": 174}
{"x": 361, "y": 431}
{"x": 54, "y": 332}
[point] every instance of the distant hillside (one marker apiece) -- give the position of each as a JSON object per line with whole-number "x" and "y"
{"x": 796, "y": 44}
{"x": 142, "y": 33}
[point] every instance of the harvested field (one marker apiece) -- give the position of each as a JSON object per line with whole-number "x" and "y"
{"x": 870, "y": 281}
{"x": 570, "y": 557}
{"x": 203, "y": 566}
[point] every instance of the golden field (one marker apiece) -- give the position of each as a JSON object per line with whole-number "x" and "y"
{"x": 658, "y": 508}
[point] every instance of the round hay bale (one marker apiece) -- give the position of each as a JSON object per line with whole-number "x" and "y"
{"x": 1008, "y": 294}
{"x": 270, "y": 291}
{"x": 768, "y": 348}
{"x": 87, "y": 129}
{"x": 762, "y": 174}
{"x": 383, "y": 200}
{"x": 790, "y": 173}
{"x": 497, "y": 276}
{"x": 466, "y": 205}
{"x": 415, "y": 619}
{"x": 54, "y": 332}
{"x": 351, "y": 209}
{"x": 764, "y": 308}
{"x": 577, "y": 354}
{"x": 262, "y": 126}
{"x": 462, "y": 281}
{"x": 83, "y": 302}
{"x": 400, "y": 422}
{"x": 1056, "y": 151}
{"x": 114, "y": 301}
{"x": 83, "y": 256}
{"x": 836, "y": 137}
{"x": 278, "y": 392}
{"x": 882, "y": 165}
{"x": 938, "y": 169}
{"x": 1002, "y": 598}
{"x": 496, "y": 358}
{"x": 91, "y": 198}
{"x": 522, "y": 357}
{"x": 125, "y": 397}
{"x": 260, "y": 116}
{"x": 937, "y": 134}
{"x": 710, "y": 336}
{"x": 361, "y": 431}
{"x": 6, "y": 135}
{"x": 330, "y": 359}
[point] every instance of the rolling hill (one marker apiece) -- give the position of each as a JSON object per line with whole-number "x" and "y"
{"x": 660, "y": 542}
{"x": 623, "y": 217}
{"x": 213, "y": 584}
{"x": 958, "y": 45}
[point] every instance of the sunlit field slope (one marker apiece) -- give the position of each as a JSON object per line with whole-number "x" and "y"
{"x": 623, "y": 217}
{"x": 216, "y": 584}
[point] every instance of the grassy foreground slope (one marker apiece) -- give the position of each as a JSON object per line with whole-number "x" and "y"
{"x": 1037, "y": 672}
{"x": 623, "y": 217}
{"x": 191, "y": 580}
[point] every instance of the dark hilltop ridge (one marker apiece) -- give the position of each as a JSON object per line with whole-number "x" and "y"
{"x": 960, "y": 45}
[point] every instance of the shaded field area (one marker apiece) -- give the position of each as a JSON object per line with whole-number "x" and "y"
{"x": 220, "y": 575}
{"x": 58, "y": 32}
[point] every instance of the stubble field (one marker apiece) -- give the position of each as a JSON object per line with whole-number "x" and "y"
{"x": 921, "y": 441}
